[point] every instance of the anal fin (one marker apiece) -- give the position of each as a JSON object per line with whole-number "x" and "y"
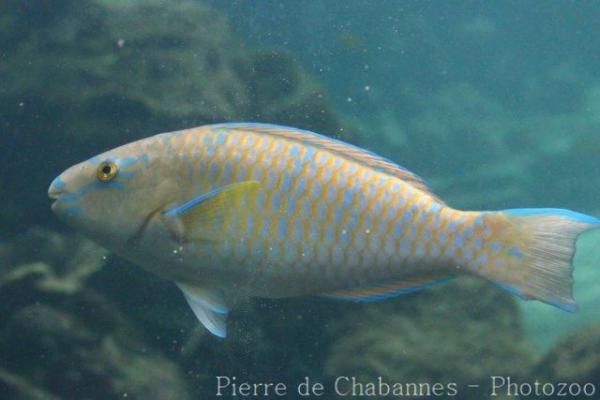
{"x": 208, "y": 306}
{"x": 386, "y": 290}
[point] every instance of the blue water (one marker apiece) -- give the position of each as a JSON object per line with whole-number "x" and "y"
{"x": 495, "y": 104}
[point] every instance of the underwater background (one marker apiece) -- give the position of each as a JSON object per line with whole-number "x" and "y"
{"x": 495, "y": 104}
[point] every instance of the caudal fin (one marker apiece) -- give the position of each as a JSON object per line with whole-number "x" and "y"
{"x": 530, "y": 253}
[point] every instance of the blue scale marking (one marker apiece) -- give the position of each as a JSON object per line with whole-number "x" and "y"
{"x": 495, "y": 246}
{"x": 309, "y": 154}
{"x": 467, "y": 254}
{"x": 210, "y": 150}
{"x": 301, "y": 188}
{"x": 276, "y": 201}
{"x": 516, "y": 252}
{"x": 338, "y": 214}
{"x": 329, "y": 235}
{"x": 299, "y": 231}
{"x": 459, "y": 241}
{"x": 286, "y": 184}
{"x": 298, "y": 167}
{"x": 322, "y": 211}
{"x": 212, "y": 173}
{"x": 271, "y": 180}
{"x": 405, "y": 248}
{"x": 407, "y": 216}
{"x": 392, "y": 211}
{"x": 353, "y": 221}
{"x": 292, "y": 200}
{"x": 344, "y": 238}
{"x": 283, "y": 227}
{"x": 227, "y": 171}
{"x": 220, "y": 139}
{"x": 398, "y": 228}
{"x": 427, "y": 234}
{"x": 306, "y": 206}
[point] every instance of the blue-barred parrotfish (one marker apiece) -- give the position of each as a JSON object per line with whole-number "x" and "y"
{"x": 241, "y": 210}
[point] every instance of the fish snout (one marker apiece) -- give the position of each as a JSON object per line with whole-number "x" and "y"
{"x": 56, "y": 189}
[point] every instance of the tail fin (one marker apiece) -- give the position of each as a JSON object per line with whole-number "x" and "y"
{"x": 530, "y": 253}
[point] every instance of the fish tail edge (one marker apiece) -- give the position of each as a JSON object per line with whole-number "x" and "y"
{"x": 538, "y": 248}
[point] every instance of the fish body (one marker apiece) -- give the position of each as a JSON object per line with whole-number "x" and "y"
{"x": 236, "y": 210}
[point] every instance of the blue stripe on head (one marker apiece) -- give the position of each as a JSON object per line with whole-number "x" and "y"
{"x": 83, "y": 190}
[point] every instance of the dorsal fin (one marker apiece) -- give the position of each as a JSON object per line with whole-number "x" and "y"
{"x": 338, "y": 147}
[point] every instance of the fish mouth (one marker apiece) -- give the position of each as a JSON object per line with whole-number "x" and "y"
{"x": 56, "y": 189}
{"x": 54, "y": 194}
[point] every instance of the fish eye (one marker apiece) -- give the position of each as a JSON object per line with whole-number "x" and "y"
{"x": 107, "y": 171}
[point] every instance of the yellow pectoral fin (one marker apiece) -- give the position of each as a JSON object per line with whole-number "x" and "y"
{"x": 203, "y": 217}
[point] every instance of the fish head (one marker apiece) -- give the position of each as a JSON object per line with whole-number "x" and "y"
{"x": 113, "y": 196}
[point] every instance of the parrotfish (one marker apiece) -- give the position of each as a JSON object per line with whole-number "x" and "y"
{"x": 240, "y": 210}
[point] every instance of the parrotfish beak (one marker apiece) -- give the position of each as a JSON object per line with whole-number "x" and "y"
{"x": 56, "y": 189}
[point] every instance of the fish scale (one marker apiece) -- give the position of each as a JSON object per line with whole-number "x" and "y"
{"x": 264, "y": 210}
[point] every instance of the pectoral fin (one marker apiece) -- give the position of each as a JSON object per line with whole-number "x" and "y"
{"x": 209, "y": 307}
{"x": 202, "y": 217}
